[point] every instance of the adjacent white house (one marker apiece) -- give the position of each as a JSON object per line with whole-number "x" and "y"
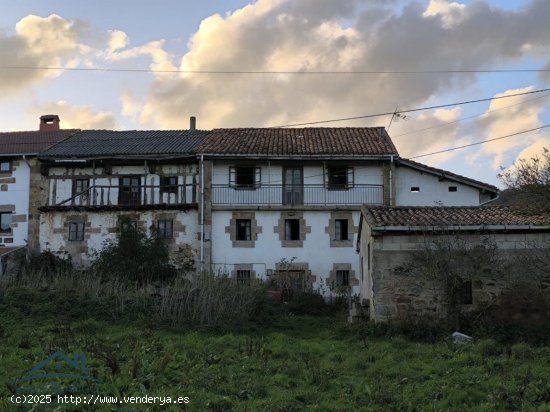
{"x": 20, "y": 184}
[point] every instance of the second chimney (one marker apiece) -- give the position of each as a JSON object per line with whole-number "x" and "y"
{"x": 49, "y": 123}
{"x": 192, "y": 123}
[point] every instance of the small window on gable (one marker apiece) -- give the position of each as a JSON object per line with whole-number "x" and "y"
{"x": 341, "y": 229}
{"x": 165, "y": 229}
{"x": 453, "y": 188}
{"x": 415, "y": 189}
{"x": 342, "y": 278}
{"x": 76, "y": 231}
{"x": 168, "y": 184}
{"x": 244, "y": 177}
{"x": 243, "y": 276}
{"x": 292, "y": 229}
{"x": 5, "y": 221}
{"x": 339, "y": 177}
{"x": 243, "y": 229}
{"x": 465, "y": 293}
{"x": 5, "y": 166}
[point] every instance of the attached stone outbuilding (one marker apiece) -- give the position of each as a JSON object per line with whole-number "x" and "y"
{"x": 501, "y": 245}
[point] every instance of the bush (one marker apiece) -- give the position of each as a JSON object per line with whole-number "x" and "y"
{"x": 135, "y": 257}
{"x": 48, "y": 263}
{"x": 522, "y": 351}
{"x": 309, "y": 304}
{"x": 488, "y": 348}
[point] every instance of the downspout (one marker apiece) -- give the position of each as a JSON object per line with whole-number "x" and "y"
{"x": 202, "y": 212}
{"x": 29, "y": 203}
{"x": 391, "y": 181}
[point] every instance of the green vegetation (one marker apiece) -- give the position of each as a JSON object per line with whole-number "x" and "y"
{"x": 275, "y": 360}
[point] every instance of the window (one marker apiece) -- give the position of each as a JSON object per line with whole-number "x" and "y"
{"x": 130, "y": 190}
{"x": 76, "y": 231}
{"x": 245, "y": 177}
{"x": 415, "y": 189}
{"x": 342, "y": 278}
{"x": 465, "y": 293}
{"x": 341, "y": 229}
{"x": 339, "y": 177}
{"x": 292, "y": 229}
{"x": 244, "y": 229}
{"x": 453, "y": 188}
{"x": 128, "y": 225}
{"x": 243, "y": 276}
{"x": 169, "y": 184}
{"x": 165, "y": 229}
{"x": 5, "y": 166}
{"x": 5, "y": 222}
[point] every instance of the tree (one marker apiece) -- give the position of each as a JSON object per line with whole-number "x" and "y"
{"x": 529, "y": 182}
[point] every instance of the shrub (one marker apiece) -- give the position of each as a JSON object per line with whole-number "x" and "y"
{"x": 309, "y": 304}
{"x": 135, "y": 257}
{"x": 48, "y": 263}
{"x": 488, "y": 348}
{"x": 522, "y": 351}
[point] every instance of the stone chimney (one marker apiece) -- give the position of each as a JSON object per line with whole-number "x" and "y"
{"x": 192, "y": 123}
{"x": 49, "y": 123}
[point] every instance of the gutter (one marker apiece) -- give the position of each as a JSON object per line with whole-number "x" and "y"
{"x": 297, "y": 156}
{"x": 384, "y": 229}
{"x": 202, "y": 212}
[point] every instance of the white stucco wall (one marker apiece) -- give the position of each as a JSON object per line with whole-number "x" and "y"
{"x": 16, "y": 194}
{"x": 316, "y": 250}
{"x": 433, "y": 192}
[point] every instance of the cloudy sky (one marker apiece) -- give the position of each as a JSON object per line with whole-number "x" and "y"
{"x": 158, "y": 38}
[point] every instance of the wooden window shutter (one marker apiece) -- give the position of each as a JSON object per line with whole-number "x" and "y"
{"x": 232, "y": 176}
{"x": 350, "y": 177}
{"x": 257, "y": 177}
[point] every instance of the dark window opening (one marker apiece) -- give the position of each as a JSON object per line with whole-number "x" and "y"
{"x": 130, "y": 190}
{"x": 165, "y": 229}
{"x": 128, "y": 225}
{"x": 465, "y": 293}
{"x": 243, "y": 276}
{"x": 76, "y": 231}
{"x": 169, "y": 184}
{"x": 415, "y": 189}
{"x": 80, "y": 186}
{"x": 342, "y": 278}
{"x": 5, "y": 166}
{"x": 292, "y": 229}
{"x": 453, "y": 188}
{"x": 244, "y": 229}
{"x": 341, "y": 229}
{"x": 5, "y": 221}
{"x": 339, "y": 177}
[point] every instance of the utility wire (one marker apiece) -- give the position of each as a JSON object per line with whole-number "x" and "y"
{"x": 480, "y": 142}
{"x": 470, "y": 117}
{"x": 298, "y": 72}
{"x": 415, "y": 110}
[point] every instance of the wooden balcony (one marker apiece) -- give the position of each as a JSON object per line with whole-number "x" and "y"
{"x": 134, "y": 197}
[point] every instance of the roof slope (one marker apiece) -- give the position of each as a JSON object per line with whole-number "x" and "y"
{"x": 31, "y": 142}
{"x": 451, "y": 216}
{"x": 448, "y": 175}
{"x": 107, "y": 143}
{"x": 330, "y": 141}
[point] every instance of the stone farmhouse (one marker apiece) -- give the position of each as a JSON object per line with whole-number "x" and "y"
{"x": 391, "y": 237}
{"x": 243, "y": 202}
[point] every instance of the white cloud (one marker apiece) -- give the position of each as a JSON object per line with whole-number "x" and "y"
{"x": 451, "y": 13}
{"x": 78, "y": 117}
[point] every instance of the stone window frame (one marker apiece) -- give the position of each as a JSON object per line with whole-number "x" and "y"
{"x": 303, "y": 231}
{"x": 331, "y": 229}
{"x": 255, "y": 230}
{"x": 10, "y": 166}
{"x": 243, "y": 266}
{"x": 7, "y": 213}
{"x": 78, "y": 234}
{"x": 332, "y": 278}
{"x": 309, "y": 278}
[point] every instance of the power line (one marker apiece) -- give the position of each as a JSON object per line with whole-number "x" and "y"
{"x": 471, "y": 117}
{"x": 297, "y": 72}
{"x": 414, "y": 110}
{"x": 480, "y": 142}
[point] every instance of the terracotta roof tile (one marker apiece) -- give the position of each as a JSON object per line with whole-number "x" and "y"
{"x": 299, "y": 141}
{"x": 32, "y": 142}
{"x": 452, "y": 216}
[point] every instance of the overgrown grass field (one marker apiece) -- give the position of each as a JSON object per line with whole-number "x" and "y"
{"x": 281, "y": 362}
